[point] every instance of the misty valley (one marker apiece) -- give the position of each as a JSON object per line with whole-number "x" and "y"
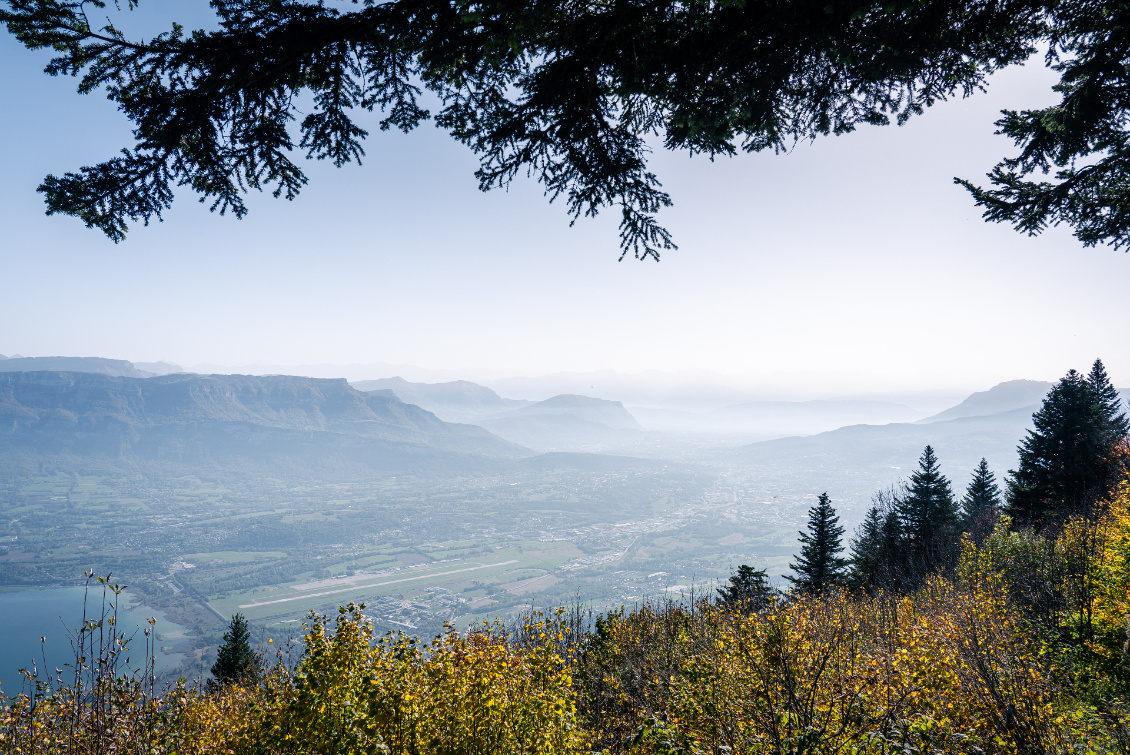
{"x": 211, "y": 495}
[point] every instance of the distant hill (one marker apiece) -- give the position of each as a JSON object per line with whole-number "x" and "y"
{"x": 853, "y": 462}
{"x": 562, "y": 423}
{"x": 459, "y": 400}
{"x": 97, "y": 365}
{"x": 1003, "y": 397}
{"x": 294, "y": 423}
{"x": 609, "y": 413}
{"x": 568, "y": 423}
{"x": 802, "y": 417}
{"x": 159, "y": 368}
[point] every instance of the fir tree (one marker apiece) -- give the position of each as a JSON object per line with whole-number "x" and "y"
{"x": 981, "y": 504}
{"x": 748, "y": 589}
{"x": 877, "y": 551}
{"x": 1070, "y": 459}
{"x": 893, "y": 551}
{"x": 929, "y": 517}
{"x": 866, "y": 549}
{"x": 1114, "y": 426}
{"x": 818, "y": 566}
{"x": 236, "y": 661}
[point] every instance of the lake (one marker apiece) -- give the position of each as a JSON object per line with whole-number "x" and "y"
{"x": 26, "y": 614}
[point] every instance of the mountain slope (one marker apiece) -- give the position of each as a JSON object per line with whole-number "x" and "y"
{"x": 217, "y": 418}
{"x": 568, "y": 423}
{"x": 853, "y": 462}
{"x": 803, "y": 417}
{"x": 609, "y": 413}
{"x": 459, "y": 400}
{"x": 1003, "y": 397}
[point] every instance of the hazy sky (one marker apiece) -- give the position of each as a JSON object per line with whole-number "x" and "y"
{"x": 848, "y": 263}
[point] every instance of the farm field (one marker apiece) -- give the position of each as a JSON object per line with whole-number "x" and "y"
{"x": 418, "y": 552}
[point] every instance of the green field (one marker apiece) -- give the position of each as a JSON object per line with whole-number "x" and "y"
{"x": 417, "y": 552}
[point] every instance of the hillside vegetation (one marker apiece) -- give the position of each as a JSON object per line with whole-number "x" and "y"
{"x": 962, "y": 664}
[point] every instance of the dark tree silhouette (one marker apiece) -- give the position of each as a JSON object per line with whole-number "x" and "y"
{"x": 1072, "y": 457}
{"x": 929, "y": 517}
{"x": 980, "y": 507}
{"x": 877, "y": 550}
{"x": 236, "y": 661}
{"x": 572, "y": 94}
{"x": 818, "y": 566}
{"x": 748, "y": 589}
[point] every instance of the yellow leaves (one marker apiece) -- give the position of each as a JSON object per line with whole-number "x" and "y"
{"x": 818, "y": 674}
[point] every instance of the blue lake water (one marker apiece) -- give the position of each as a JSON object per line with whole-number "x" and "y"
{"x": 31, "y": 613}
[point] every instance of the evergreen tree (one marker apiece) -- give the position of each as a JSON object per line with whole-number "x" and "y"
{"x": 236, "y": 661}
{"x": 981, "y": 504}
{"x": 1070, "y": 459}
{"x": 866, "y": 549}
{"x": 893, "y": 551}
{"x": 1110, "y": 403}
{"x": 1114, "y": 426}
{"x": 818, "y": 566}
{"x": 877, "y": 551}
{"x": 928, "y": 516}
{"x": 748, "y": 589}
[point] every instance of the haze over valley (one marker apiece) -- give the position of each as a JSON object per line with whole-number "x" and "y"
{"x": 273, "y": 495}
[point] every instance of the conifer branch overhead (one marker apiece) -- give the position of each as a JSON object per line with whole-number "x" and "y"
{"x": 570, "y": 94}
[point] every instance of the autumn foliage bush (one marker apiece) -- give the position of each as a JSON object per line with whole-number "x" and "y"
{"x": 1022, "y": 650}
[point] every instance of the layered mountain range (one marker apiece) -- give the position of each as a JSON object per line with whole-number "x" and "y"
{"x": 221, "y": 420}
{"x": 113, "y": 410}
{"x": 561, "y": 423}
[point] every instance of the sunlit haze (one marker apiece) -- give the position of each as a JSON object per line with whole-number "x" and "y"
{"x": 850, "y": 265}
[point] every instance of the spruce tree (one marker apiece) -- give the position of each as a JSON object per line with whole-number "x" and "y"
{"x": 1070, "y": 459}
{"x": 818, "y": 565}
{"x": 893, "y": 551}
{"x": 866, "y": 549}
{"x": 1110, "y": 403}
{"x": 877, "y": 551}
{"x": 1114, "y": 427}
{"x": 748, "y": 589}
{"x": 929, "y": 517}
{"x": 981, "y": 504}
{"x": 236, "y": 661}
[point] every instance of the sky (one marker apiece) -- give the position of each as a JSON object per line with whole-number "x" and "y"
{"x": 851, "y": 264}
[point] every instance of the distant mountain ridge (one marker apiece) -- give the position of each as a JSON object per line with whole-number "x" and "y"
{"x": 460, "y": 398}
{"x": 567, "y": 422}
{"x": 210, "y": 417}
{"x": 1003, "y": 397}
{"x": 96, "y": 365}
{"x": 605, "y": 412}
{"x": 855, "y": 461}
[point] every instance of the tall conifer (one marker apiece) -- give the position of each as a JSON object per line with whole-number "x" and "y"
{"x": 866, "y": 549}
{"x": 236, "y": 661}
{"x": 818, "y": 565}
{"x": 1110, "y": 405}
{"x": 981, "y": 504}
{"x": 1070, "y": 459}
{"x": 929, "y": 516}
{"x": 877, "y": 552}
